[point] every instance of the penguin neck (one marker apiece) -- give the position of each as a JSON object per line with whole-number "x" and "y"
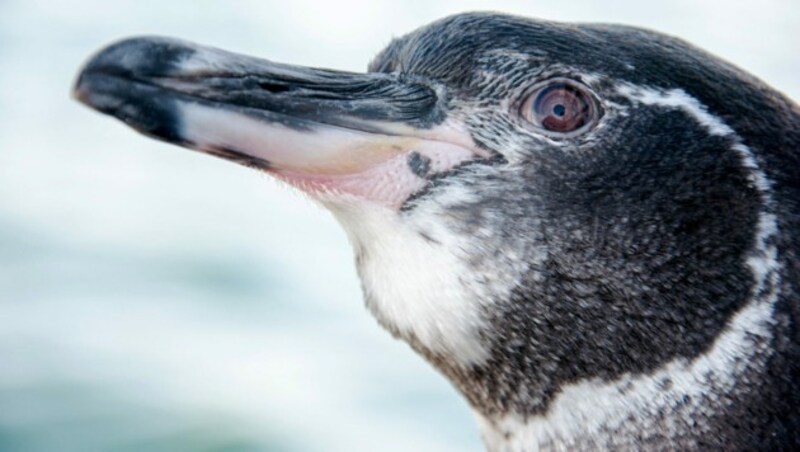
{"x": 674, "y": 405}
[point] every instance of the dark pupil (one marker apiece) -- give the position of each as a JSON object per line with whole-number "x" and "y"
{"x": 561, "y": 108}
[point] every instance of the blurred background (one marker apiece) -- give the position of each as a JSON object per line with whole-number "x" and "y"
{"x": 153, "y": 298}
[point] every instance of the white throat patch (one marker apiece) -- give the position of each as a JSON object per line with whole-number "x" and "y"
{"x": 412, "y": 287}
{"x": 419, "y": 278}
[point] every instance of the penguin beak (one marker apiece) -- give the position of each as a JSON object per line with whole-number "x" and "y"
{"x": 375, "y": 136}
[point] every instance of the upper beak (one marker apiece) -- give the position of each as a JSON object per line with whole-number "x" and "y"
{"x": 375, "y": 136}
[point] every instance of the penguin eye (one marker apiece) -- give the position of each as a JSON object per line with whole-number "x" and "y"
{"x": 560, "y": 106}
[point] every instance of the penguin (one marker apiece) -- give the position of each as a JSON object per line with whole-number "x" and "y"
{"x": 592, "y": 230}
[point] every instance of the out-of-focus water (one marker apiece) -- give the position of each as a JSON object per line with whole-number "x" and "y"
{"x": 155, "y": 299}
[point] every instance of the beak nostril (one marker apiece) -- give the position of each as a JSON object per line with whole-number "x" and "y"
{"x": 274, "y": 88}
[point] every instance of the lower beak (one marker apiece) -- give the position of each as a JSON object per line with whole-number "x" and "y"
{"x": 377, "y": 137}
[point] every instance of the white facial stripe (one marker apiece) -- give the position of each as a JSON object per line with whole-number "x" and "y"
{"x": 679, "y": 99}
{"x": 607, "y": 410}
{"x": 676, "y": 98}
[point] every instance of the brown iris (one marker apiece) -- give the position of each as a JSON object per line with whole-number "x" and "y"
{"x": 560, "y": 106}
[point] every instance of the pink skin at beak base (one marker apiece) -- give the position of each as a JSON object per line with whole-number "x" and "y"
{"x": 330, "y": 160}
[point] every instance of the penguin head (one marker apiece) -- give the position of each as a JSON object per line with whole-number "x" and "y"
{"x": 530, "y": 203}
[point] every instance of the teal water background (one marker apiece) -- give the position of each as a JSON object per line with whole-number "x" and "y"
{"x": 153, "y": 298}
